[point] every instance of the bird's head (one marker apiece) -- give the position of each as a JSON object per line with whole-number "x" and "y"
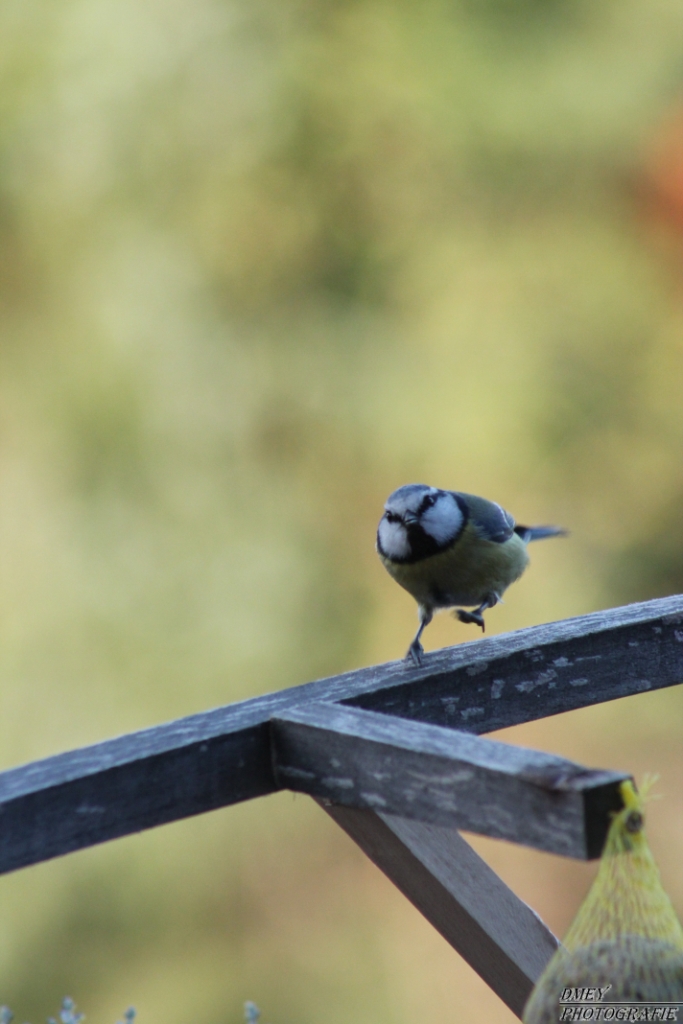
{"x": 418, "y": 522}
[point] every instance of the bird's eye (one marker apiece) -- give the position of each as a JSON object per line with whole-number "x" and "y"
{"x": 391, "y": 517}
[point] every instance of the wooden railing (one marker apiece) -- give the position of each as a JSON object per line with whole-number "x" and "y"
{"x": 394, "y": 754}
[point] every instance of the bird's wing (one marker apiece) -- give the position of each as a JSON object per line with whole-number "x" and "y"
{"x": 489, "y": 520}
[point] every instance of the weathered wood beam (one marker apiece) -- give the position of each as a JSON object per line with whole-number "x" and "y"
{"x": 427, "y": 773}
{"x": 533, "y": 673}
{"x": 112, "y": 789}
{"x": 222, "y": 756}
{"x": 498, "y": 935}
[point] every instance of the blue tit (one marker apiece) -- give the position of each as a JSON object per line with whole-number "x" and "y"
{"x": 448, "y": 549}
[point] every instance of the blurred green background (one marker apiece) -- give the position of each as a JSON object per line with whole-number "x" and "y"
{"x": 260, "y": 263}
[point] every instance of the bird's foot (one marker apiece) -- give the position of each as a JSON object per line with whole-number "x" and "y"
{"x": 474, "y": 617}
{"x": 415, "y": 652}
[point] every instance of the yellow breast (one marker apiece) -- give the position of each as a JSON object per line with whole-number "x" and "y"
{"x": 465, "y": 573}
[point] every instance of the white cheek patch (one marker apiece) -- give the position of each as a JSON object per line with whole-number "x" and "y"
{"x": 443, "y": 520}
{"x": 393, "y": 539}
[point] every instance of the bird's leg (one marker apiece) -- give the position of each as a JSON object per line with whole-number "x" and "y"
{"x": 416, "y": 650}
{"x": 476, "y": 616}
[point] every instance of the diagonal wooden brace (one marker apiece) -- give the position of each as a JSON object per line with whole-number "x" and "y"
{"x": 498, "y": 935}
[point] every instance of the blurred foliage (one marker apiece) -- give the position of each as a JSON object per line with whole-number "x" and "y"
{"x": 260, "y": 263}
{"x": 68, "y": 1014}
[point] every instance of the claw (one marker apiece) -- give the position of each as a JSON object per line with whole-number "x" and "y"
{"x": 471, "y": 617}
{"x": 476, "y": 616}
{"x": 415, "y": 652}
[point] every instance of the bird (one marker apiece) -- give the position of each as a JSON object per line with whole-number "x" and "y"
{"x": 447, "y": 548}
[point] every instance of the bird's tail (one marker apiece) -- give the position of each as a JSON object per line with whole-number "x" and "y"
{"x": 529, "y": 533}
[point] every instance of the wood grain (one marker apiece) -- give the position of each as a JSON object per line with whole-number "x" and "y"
{"x": 427, "y": 773}
{"x": 223, "y": 756}
{"x": 545, "y": 670}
